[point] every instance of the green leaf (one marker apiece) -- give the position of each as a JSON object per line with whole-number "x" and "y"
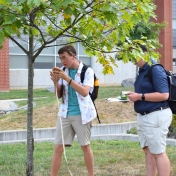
{"x": 110, "y": 26}
{"x": 1, "y": 38}
{"x": 66, "y": 3}
{"x": 34, "y": 2}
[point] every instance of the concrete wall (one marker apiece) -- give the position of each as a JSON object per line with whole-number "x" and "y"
{"x": 48, "y": 134}
{"x": 123, "y": 71}
{"x": 19, "y": 78}
{"x": 174, "y": 69}
{"x": 99, "y": 132}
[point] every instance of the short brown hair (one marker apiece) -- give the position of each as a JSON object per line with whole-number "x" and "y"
{"x": 67, "y": 48}
{"x": 144, "y": 48}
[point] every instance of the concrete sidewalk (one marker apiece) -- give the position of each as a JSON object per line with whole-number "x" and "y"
{"x": 20, "y": 99}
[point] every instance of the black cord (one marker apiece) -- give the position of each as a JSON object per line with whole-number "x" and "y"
{"x": 70, "y": 81}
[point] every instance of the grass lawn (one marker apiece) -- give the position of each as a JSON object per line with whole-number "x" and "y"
{"x": 46, "y": 109}
{"x": 112, "y": 158}
{"x": 104, "y": 92}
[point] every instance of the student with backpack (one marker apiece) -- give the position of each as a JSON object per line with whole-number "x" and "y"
{"x": 76, "y": 111}
{"x": 154, "y": 116}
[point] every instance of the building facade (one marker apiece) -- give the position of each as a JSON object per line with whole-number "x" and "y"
{"x": 4, "y": 67}
{"x": 174, "y": 32}
{"x": 14, "y": 63}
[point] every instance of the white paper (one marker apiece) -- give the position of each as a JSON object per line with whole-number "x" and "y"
{"x": 116, "y": 99}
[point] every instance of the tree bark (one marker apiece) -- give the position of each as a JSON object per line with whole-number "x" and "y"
{"x": 30, "y": 138}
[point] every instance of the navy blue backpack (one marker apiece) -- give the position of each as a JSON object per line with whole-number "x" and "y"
{"x": 171, "y": 77}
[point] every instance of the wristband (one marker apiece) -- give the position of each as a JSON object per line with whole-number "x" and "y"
{"x": 70, "y": 82}
{"x": 143, "y": 97}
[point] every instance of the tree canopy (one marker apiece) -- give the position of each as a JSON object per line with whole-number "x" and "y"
{"x": 140, "y": 31}
{"x": 98, "y": 24}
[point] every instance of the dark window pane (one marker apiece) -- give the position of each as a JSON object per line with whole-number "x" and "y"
{"x": 43, "y": 65}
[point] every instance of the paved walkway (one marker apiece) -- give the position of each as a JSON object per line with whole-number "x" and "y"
{"x": 9, "y": 105}
{"x": 21, "y": 99}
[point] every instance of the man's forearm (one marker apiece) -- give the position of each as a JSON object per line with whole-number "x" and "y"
{"x": 83, "y": 90}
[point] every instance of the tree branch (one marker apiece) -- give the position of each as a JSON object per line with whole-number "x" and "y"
{"x": 25, "y": 51}
{"x": 44, "y": 41}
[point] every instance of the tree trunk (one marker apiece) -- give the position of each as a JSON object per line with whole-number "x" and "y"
{"x": 30, "y": 138}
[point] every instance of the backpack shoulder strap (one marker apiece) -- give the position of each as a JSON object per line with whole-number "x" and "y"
{"x": 82, "y": 79}
{"x": 149, "y": 73}
{"x": 84, "y": 68}
{"x": 83, "y": 72}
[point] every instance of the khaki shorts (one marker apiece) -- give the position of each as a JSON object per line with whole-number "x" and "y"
{"x": 153, "y": 129}
{"x": 73, "y": 125}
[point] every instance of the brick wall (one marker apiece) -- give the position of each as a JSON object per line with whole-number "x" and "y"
{"x": 4, "y": 67}
{"x": 164, "y": 13}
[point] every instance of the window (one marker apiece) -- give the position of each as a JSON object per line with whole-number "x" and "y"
{"x": 44, "y": 62}
{"x": 18, "y": 62}
{"x": 15, "y": 49}
{"x": 47, "y": 59}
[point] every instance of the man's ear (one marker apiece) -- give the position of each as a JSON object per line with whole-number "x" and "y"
{"x": 74, "y": 56}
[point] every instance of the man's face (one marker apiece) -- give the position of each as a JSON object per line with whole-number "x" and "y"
{"x": 67, "y": 59}
{"x": 140, "y": 63}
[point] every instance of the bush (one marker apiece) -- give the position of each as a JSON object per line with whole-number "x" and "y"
{"x": 172, "y": 128}
{"x": 132, "y": 131}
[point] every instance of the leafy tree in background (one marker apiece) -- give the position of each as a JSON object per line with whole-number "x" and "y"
{"x": 97, "y": 24}
{"x": 140, "y": 31}
{"x": 150, "y": 30}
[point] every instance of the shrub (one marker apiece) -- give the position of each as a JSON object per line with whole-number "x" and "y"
{"x": 172, "y": 128}
{"x": 132, "y": 131}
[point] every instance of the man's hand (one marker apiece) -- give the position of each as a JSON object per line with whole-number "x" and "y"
{"x": 133, "y": 96}
{"x": 55, "y": 74}
{"x": 59, "y": 73}
{"x": 56, "y": 70}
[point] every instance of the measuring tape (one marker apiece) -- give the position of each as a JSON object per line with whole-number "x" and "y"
{"x": 62, "y": 135}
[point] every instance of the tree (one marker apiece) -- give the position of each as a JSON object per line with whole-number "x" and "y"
{"x": 141, "y": 30}
{"x": 150, "y": 30}
{"x": 97, "y": 24}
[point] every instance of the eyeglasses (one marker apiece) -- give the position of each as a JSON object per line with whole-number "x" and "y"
{"x": 70, "y": 52}
{"x": 65, "y": 58}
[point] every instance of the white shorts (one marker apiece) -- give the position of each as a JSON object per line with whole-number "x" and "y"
{"x": 153, "y": 129}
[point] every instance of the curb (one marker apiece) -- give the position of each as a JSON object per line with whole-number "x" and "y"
{"x": 99, "y": 132}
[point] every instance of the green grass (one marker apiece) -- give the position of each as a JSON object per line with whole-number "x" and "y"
{"x": 112, "y": 91}
{"x": 104, "y": 92}
{"x": 23, "y": 93}
{"x": 112, "y": 158}
{"x": 43, "y": 97}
